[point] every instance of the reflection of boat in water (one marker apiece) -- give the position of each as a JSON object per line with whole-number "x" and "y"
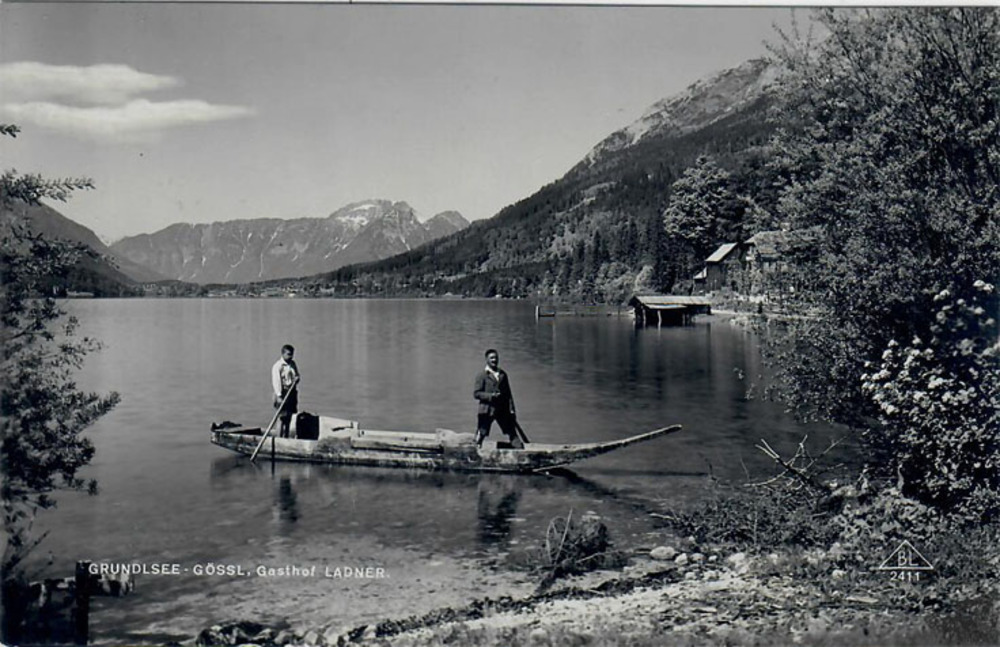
{"x": 481, "y": 514}
{"x": 339, "y": 441}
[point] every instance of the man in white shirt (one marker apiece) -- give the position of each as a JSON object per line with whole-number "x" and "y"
{"x": 284, "y": 381}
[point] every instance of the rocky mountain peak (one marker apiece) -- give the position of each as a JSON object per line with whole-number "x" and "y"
{"x": 702, "y": 103}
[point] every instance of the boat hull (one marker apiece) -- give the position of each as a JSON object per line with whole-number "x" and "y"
{"x": 418, "y": 450}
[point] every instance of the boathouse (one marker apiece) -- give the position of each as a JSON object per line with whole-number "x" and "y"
{"x": 723, "y": 267}
{"x": 667, "y": 310}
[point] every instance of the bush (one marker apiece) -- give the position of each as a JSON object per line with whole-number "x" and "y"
{"x": 939, "y": 404}
{"x": 873, "y": 523}
{"x": 759, "y": 518}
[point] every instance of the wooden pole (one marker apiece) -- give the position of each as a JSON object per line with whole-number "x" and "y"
{"x": 81, "y": 621}
{"x": 524, "y": 436}
{"x": 277, "y": 413}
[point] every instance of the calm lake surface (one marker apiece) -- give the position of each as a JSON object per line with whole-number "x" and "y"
{"x": 168, "y": 495}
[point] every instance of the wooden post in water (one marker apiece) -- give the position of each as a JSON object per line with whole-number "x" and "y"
{"x": 272, "y": 450}
{"x": 81, "y": 618}
{"x": 82, "y": 586}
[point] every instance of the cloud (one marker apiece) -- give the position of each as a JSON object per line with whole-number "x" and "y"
{"x": 137, "y": 120}
{"x": 100, "y": 101}
{"x": 110, "y": 84}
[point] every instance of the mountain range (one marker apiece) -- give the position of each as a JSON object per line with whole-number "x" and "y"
{"x": 245, "y": 251}
{"x": 599, "y": 223}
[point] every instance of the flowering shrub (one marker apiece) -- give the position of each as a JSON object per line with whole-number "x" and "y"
{"x": 939, "y": 407}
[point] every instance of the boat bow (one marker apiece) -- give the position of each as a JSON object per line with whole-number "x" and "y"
{"x": 548, "y": 456}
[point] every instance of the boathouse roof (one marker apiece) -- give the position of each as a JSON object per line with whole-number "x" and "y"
{"x": 667, "y": 301}
{"x": 721, "y": 253}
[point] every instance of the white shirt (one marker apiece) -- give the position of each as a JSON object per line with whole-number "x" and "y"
{"x": 283, "y": 375}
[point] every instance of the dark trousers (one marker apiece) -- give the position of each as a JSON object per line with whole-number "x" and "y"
{"x": 289, "y": 409}
{"x": 506, "y": 422}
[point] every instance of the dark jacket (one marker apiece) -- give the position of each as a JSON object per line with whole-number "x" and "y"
{"x": 494, "y": 398}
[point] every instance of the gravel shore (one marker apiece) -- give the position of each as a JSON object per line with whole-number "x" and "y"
{"x": 687, "y": 599}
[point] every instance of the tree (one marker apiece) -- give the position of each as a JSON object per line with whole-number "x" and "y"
{"x": 654, "y": 252}
{"x": 700, "y": 215}
{"x": 894, "y": 153}
{"x": 42, "y": 413}
{"x": 629, "y": 244}
{"x": 595, "y": 255}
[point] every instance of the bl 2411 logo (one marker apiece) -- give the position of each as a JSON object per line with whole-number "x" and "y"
{"x": 906, "y": 564}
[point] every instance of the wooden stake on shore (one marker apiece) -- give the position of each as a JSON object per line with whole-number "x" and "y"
{"x": 81, "y": 613}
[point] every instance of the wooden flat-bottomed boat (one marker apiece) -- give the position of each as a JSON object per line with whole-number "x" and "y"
{"x": 340, "y": 441}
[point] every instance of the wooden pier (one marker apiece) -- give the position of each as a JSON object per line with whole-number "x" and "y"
{"x": 543, "y": 310}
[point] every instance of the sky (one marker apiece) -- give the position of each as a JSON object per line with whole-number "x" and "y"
{"x": 189, "y": 112}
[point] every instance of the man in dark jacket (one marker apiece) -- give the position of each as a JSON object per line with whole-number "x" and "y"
{"x": 492, "y": 389}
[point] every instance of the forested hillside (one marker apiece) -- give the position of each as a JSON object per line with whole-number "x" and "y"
{"x": 97, "y": 270}
{"x": 597, "y": 234}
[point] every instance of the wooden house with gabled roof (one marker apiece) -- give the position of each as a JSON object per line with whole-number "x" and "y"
{"x": 723, "y": 268}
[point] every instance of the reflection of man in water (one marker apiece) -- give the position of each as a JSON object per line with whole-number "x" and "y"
{"x": 284, "y": 380}
{"x": 496, "y": 402}
{"x": 495, "y": 520}
{"x": 286, "y": 506}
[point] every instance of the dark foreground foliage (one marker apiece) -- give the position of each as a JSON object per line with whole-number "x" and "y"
{"x": 42, "y": 412}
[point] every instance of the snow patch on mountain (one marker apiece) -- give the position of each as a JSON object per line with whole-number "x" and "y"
{"x": 356, "y": 220}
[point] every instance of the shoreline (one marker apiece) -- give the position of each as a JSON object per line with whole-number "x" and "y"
{"x": 693, "y": 598}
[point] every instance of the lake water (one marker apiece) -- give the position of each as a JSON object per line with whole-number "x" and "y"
{"x": 168, "y": 495}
